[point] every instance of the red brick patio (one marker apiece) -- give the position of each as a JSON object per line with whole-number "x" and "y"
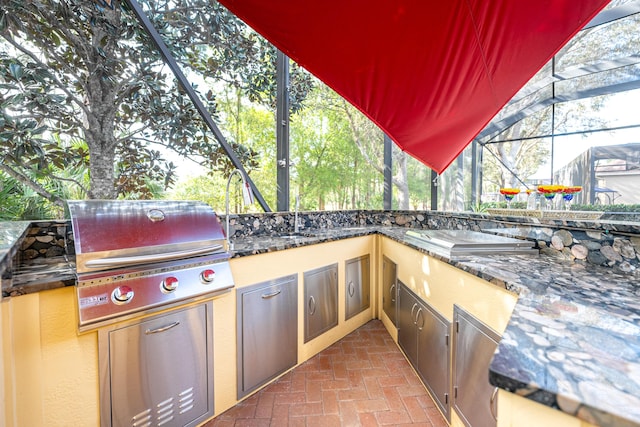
{"x": 362, "y": 380}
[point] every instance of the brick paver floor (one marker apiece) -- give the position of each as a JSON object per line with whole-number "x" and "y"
{"x": 362, "y": 380}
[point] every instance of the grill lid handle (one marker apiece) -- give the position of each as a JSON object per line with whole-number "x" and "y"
{"x": 145, "y": 259}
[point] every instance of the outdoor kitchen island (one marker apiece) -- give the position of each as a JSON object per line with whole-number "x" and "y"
{"x": 571, "y": 341}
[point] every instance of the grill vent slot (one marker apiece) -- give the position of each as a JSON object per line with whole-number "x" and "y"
{"x": 185, "y": 400}
{"x": 143, "y": 419}
{"x": 165, "y": 411}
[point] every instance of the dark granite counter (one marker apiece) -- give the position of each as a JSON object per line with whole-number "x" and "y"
{"x": 41, "y": 274}
{"x": 11, "y": 234}
{"x": 573, "y": 342}
{"x": 254, "y": 245}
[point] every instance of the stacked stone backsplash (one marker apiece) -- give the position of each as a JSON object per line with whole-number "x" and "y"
{"x": 608, "y": 243}
{"x": 46, "y": 239}
{"x": 274, "y": 223}
{"x": 594, "y": 247}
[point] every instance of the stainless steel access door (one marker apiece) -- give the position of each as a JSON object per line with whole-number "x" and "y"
{"x": 321, "y": 301}
{"x": 434, "y": 355}
{"x": 406, "y": 316}
{"x": 267, "y": 331}
{"x": 389, "y": 288}
{"x": 158, "y": 371}
{"x": 357, "y": 286}
{"x": 473, "y": 349}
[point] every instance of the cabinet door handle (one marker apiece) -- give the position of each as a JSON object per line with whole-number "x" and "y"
{"x": 493, "y": 403}
{"x": 421, "y": 317}
{"x": 415, "y": 304}
{"x": 272, "y": 294}
{"x": 312, "y": 305}
{"x": 392, "y": 291}
{"x": 162, "y": 329}
{"x": 351, "y": 288}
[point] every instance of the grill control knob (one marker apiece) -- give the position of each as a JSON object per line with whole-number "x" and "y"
{"x": 169, "y": 284}
{"x": 207, "y": 276}
{"x": 122, "y": 295}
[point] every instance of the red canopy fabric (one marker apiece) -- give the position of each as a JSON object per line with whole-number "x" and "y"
{"x": 431, "y": 74}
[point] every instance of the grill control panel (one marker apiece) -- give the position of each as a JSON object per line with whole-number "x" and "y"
{"x": 111, "y": 297}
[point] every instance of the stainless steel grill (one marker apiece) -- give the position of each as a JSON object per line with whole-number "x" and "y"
{"x": 142, "y": 256}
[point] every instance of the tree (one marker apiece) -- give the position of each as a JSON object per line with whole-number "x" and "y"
{"x": 330, "y": 170}
{"x": 85, "y": 70}
{"x": 522, "y": 154}
{"x": 517, "y": 158}
{"x": 362, "y": 134}
{"x": 369, "y": 140}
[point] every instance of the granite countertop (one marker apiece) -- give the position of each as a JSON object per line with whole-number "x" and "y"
{"x": 41, "y": 274}
{"x": 10, "y": 233}
{"x": 573, "y": 341}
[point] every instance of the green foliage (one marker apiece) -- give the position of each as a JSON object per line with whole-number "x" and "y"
{"x": 211, "y": 189}
{"x": 419, "y": 180}
{"x": 606, "y": 208}
{"x": 574, "y": 207}
{"x": 87, "y": 70}
{"x": 19, "y": 202}
{"x": 201, "y": 188}
{"x": 500, "y": 205}
{"x": 330, "y": 171}
{"x": 479, "y": 208}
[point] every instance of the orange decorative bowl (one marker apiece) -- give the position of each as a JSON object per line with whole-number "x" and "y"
{"x": 550, "y": 189}
{"x": 571, "y": 190}
{"x": 510, "y": 191}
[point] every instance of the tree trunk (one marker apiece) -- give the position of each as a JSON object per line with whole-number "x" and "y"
{"x": 100, "y": 114}
{"x": 101, "y": 165}
{"x": 353, "y": 185}
{"x": 402, "y": 182}
{"x": 459, "y": 190}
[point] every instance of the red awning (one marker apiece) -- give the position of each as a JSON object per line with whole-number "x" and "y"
{"x": 431, "y": 74}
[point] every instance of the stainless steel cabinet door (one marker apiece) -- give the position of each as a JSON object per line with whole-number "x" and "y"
{"x": 160, "y": 371}
{"x": 357, "y": 286}
{"x": 474, "y": 346}
{"x": 321, "y": 301}
{"x": 434, "y": 355}
{"x": 267, "y": 331}
{"x": 407, "y": 309}
{"x": 389, "y": 288}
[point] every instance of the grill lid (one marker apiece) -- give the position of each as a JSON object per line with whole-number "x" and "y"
{"x": 116, "y": 233}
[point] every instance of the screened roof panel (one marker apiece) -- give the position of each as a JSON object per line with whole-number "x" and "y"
{"x": 600, "y": 60}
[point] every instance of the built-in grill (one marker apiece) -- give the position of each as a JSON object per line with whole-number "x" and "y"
{"x": 142, "y": 256}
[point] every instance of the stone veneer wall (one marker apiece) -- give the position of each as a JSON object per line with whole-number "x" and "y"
{"x": 47, "y": 239}
{"x": 607, "y": 243}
